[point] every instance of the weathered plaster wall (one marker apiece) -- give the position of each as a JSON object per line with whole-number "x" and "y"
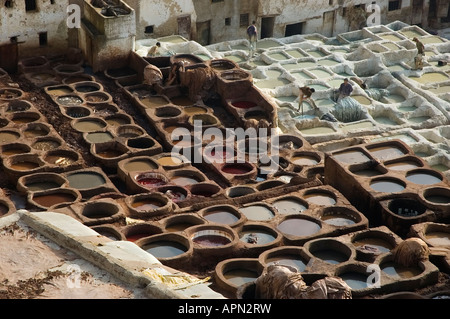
{"x": 163, "y": 15}
{"x": 107, "y": 41}
{"x": 50, "y": 18}
{"x": 217, "y": 12}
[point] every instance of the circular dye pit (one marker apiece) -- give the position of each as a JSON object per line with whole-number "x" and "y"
{"x": 243, "y": 104}
{"x": 437, "y": 195}
{"x": 373, "y": 244}
{"x": 239, "y": 277}
{"x": 99, "y": 97}
{"x": 185, "y": 180}
{"x": 14, "y": 149}
{"x": 138, "y": 231}
{"x": 175, "y": 193}
{"x": 100, "y": 209}
{"x": 61, "y": 158}
{"x": 8, "y": 136}
{"x": 41, "y": 186}
{"x": 237, "y": 168}
{"x": 24, "y": 165}
{"x": 86, "y": 87}
{"x": 69, "y": 100}
{"x": 320, "y": 198}
{"x": 170, "y": 161}
{"x": 238, "y": 191}
{"x": 355, "y": 280}
{"x": 150, "y": 180}
{"x": 257, "y": 213}
{"x": 165, "y": 249}
{"x": 87, "y": 125}
{"x": 192, "y": 110}
{"x": 147, "y": 204}
{"x": 424, "y": 177}
{"x": 218, "y": 154}
{"x": 55, "y": 198}
{"x": 298, "y": 227}
{"x": 10, "y": 93}
{"x": 129, "y": 131}
{"x": 205, "y": 189}
{"x": 139, "y": 165}
{"x": 285, "y": 256}
{"x": 221, "y": 215}
{"x": 338, "y": 217}
{"x": 85, "y": 180}
{"x": 99, "y": 137}
{"x": 330, "y": 256}
{"x": 211, "y": 238}
{"x": 399, "y": 272}
{"x": 387, "y": 185}
{"x": 76, "y": 112}
{"x": 46, "y": 144}
{"x": 305, "y": 160}
{"x": 402, "y": 165}
{"x": 289, "y": 205}
{"x": 254, "y": 235}
{"x": 180, "y": 222}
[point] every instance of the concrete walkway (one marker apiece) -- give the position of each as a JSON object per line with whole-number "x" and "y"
{"x": 122, "y": 259}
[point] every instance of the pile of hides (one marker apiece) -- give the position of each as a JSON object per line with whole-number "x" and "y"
{"x": 284, "y": 282}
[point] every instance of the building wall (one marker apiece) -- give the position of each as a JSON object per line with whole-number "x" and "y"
{"x": 25, "y": 25}
{"x": 162, "y": 15}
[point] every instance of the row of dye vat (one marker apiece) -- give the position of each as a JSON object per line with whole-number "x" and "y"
{"x": 243, "y": 263}
{"x": 30, "y": 144}
{"x": 296, "y": 220}
{"x": 363, "y": 260}
{"x": 49, "y": 190}
{"x": 388, "y": 181}
{"x": 178, "y": 179}
{"x": 112, "y": 133}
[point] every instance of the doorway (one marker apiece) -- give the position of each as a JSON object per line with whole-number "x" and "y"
{"x": 293, "y": 29}
{"x": 267, "y": 25}
{"x": 204, "y": 32}
{"x": 184, "y": 26}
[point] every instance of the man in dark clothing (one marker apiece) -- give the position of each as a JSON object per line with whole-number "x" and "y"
{"x": 345, "y": 89}
{"x": 252, "y": 34}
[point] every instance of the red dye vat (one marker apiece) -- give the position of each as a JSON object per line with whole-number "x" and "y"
{"x": 211, "y": 240}
{"x": 135, "y": 237}
{"x": 243, "y": 104}
{"x": 236, "y": 169}
{"x": 151, "y": 181}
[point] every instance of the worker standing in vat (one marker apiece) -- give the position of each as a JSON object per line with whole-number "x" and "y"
{"x": 154, "y": 50}
{"x": 345, "y": 89}
{"x": 174, "y": 75}
{"x": 419, "y": 45}
{"x": 252, "y": 33}
{"x": 305, "y": 94}
{"x": 418, "y": 60}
